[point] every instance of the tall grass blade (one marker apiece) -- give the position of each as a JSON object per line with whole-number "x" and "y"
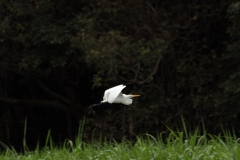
{"x": 25, "y": 148}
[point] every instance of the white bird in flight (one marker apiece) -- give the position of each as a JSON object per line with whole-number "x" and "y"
{"x": 114, "y": 95}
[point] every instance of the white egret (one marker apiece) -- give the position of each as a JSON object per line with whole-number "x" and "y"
{"x": 114, "y": 95}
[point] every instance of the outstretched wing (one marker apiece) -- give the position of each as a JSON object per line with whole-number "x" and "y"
{"x": 112, "y": 93}
{"x": 107, "y": 92}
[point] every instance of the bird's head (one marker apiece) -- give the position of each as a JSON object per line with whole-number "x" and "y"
{"x": 129, "y": 97}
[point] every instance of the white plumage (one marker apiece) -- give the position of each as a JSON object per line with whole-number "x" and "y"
{"x": 114, "y": 95}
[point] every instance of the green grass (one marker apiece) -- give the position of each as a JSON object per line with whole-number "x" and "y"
{"x": 176, "y": 146}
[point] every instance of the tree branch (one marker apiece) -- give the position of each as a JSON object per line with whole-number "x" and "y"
{"x": 42, "y": 103}
{"x": 53, "y": 94}
{"x": 46, "y": 89}
{"x": 150, "y": 77}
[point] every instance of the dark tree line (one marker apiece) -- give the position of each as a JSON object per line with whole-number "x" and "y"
{"x": 58, "y": 57}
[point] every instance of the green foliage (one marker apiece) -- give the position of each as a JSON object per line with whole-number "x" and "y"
{"x": 40, "y": 63}
{"x": 34, "y": 34}
{"x": 176, "y": 146}
{"x": 182, "y": 58}
{"x": 231, "y": 79}
{"x": 122, "y": 62}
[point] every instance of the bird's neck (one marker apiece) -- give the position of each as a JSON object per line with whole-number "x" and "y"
{"x": 127, "y": 99}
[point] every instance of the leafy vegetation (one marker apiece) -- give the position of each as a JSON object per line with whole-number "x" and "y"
{"x": 177, "y": 145}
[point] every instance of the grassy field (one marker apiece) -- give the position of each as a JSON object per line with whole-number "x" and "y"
{"x": 176, "y": 146}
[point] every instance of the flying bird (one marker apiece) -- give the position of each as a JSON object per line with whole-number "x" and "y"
{"x": 114, "y": 95}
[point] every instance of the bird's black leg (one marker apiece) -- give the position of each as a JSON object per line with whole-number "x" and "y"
{"x": 94, "y": 105}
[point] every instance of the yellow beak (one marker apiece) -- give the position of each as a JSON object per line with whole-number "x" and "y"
{"x": 135, "y": 95}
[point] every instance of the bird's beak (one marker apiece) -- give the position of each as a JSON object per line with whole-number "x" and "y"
{"x": 135, "y": 95}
